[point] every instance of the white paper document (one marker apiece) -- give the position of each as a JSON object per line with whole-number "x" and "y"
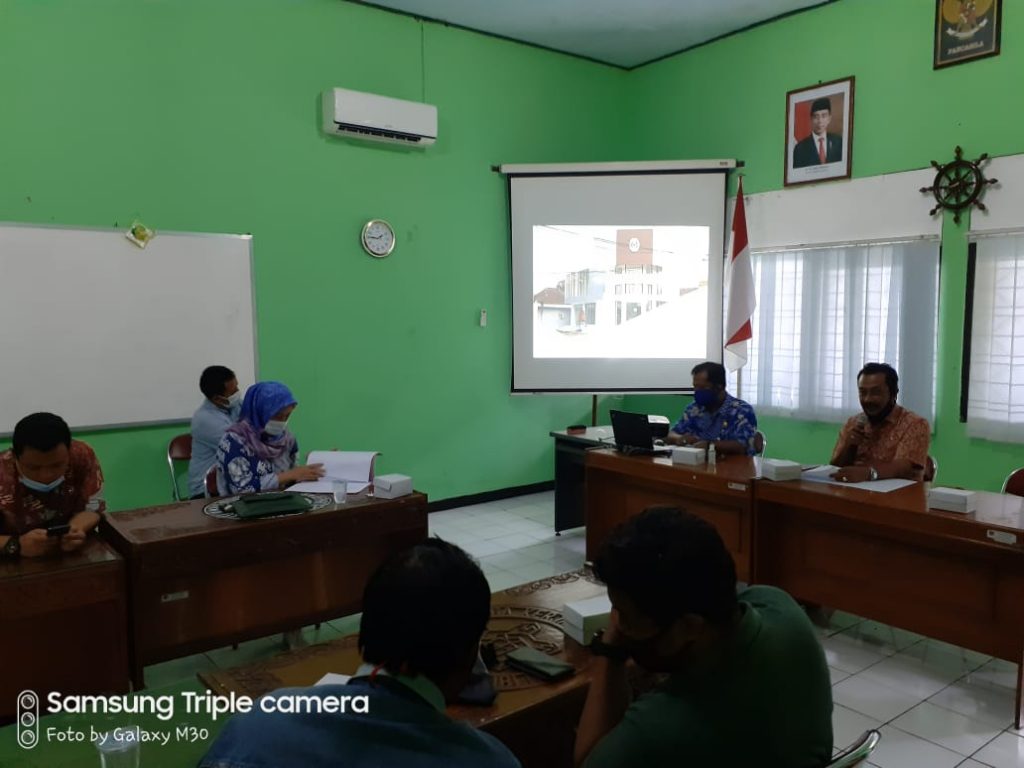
{"x": 354, "y": 468}
{"x": 333, "y": 678}
{"x": 823, "y": 474}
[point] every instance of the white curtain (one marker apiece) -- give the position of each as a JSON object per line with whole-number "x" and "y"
{"x": 995, "y": 401}
{"x": 822, "y": 313}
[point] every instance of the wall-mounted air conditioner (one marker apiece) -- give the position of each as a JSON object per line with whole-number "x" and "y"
{"x": 358, "y": 115}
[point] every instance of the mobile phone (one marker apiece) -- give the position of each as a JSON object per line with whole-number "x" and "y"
{"x": 58, "y": 530}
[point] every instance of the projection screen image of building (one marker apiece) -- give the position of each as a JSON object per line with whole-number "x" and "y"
{"x": 616, "y": 280}
{"x": 621, "y": 291}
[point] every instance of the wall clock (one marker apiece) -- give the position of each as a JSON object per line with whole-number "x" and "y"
{"x": 377, "y": 238}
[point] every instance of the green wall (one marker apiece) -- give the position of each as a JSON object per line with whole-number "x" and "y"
{"x": 203, "y": 115}
{"x": 727, "y": 99}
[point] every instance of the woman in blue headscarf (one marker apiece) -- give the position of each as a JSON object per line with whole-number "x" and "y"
{"x": 257, "y": 453}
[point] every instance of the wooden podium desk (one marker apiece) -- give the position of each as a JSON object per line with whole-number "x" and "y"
{"x": 536, "y": 720}
{"x": 197, "y": 582}
{"x": 886, "y": 556}
{"x": 63, "y": 625}
{"x": 619, "y": 487}
{"x": 570, "y": 471}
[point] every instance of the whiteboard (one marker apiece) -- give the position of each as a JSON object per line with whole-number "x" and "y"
{"x": 106, "y": 334}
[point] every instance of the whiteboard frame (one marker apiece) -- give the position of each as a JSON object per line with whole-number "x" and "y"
{"x": 163, "y": 233}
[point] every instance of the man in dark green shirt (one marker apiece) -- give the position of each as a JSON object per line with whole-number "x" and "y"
{"x": 748, "y": 684}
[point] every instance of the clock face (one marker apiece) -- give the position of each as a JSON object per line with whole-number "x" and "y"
{"x": 634, "y": 244}
{"x": 378, "y": 238}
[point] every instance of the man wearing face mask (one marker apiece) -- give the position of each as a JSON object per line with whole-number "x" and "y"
{"x": 47, "y": 481}
{"x": 886, "y": 440}
{"x": 715, "y": 416}
{"x": 748, "y": 683}
{"x": 219, "y": 411}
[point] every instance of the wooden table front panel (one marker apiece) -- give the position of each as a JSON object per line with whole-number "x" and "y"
{"x": 620, "y": 487}
{"x": 889, "y": 558}
{"x": 63, "y": 625}
{"x": 199, "y": 583}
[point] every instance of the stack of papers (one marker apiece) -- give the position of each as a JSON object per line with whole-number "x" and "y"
{"x": 823, "y": 474}
{"x": 354, "y": 468}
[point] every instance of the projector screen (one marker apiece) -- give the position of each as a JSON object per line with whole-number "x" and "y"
{"x": 616, "y": 279}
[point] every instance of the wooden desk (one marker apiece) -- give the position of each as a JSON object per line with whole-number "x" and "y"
{"x": 619, "y": 487}
{"x": 63, "y": 625}
{"x": 196, "y": 582}
{"x": 570, "y": 471}
{"x": 536, "y": 720}
{"x": 886, "y": 556}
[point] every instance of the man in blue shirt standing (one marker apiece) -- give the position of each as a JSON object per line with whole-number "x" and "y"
{"x": 715, "y": 416}
{"x": 219, "y": 411}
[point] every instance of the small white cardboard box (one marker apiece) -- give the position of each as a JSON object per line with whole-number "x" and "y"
{"x": 584, "y": 617}
{"x": 391, "y": 486}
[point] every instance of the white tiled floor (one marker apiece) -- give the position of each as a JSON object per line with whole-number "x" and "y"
{"x": 936, "y": 705}
{"x": 514, "y": 539}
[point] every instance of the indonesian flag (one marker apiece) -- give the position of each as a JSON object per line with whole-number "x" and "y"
{"x": 740, "y": 280}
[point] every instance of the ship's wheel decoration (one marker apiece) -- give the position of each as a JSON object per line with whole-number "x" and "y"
{"x": 958, "y": 185}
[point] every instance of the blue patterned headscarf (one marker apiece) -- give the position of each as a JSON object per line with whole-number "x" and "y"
{"x": 262, "y": 401}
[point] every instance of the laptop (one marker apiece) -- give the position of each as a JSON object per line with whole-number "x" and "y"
{"x": 633, "y": 434}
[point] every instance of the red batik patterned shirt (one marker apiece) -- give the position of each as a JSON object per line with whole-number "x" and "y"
{"x": 22, "y": 509}
{"x": 902, "y": 435}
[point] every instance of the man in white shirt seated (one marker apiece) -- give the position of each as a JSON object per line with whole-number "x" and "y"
{"x": 219, "y": 411}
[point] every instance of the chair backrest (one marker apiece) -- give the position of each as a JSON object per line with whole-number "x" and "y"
{"x": 760, "y": 443}
{"x": 179, "y": 449}
{"x": 211, "y": 482}
{"x": 857, "y": 753}
{"x": 1014, "y": 482}
{"x": 931, "y": 468}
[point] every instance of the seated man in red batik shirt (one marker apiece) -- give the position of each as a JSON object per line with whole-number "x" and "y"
{"x": 886, "y": 440}
{"x": 47, "y": 481}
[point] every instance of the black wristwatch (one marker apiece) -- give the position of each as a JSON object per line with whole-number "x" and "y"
{"x": 599, "y": 647}
{"x": 12, "y": 548}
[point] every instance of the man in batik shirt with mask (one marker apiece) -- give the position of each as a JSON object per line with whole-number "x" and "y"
{"x": 715, "y": 416}
{"x": 50, "y": 489}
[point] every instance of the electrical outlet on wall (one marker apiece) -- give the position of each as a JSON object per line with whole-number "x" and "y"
{"x": 483, "y": 318}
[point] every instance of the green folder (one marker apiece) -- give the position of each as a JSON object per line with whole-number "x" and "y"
{"x": 263, "y": 504}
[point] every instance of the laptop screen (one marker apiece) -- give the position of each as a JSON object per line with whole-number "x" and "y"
{"x": 631, "y": 430}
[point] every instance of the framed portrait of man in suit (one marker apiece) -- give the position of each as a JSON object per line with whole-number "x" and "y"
{"x": 819, "y": 132}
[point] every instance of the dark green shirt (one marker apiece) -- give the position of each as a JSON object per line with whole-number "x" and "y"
{"x": 766, "y": 702}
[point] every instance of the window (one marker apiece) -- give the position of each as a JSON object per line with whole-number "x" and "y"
{"x": 995, "y": 399}
{"x": 824, "y": 312}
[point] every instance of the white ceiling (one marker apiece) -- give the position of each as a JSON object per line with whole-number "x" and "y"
{"x": 625, "y": 33}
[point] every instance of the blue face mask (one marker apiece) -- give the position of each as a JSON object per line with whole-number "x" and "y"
{"x": 705, "y": 397}
{"x": 41, "y": 487}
